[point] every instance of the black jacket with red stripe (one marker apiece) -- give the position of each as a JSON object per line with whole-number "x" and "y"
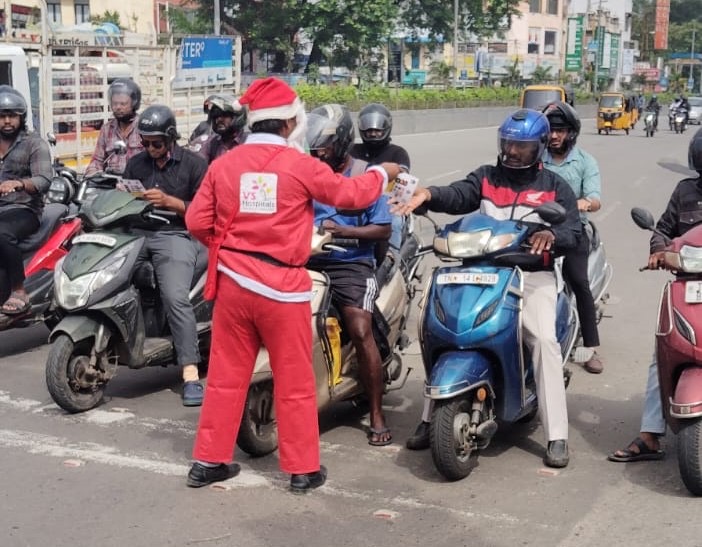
{"x": 491, "y": 189}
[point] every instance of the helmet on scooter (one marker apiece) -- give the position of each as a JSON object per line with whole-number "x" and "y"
{"x": 125, "y": 86}
{"x": 330, "y": 134}
{"x": 561, "y": 115}
{"x": 375, "y": 117}
{"x": 157, "y": 120}
{"x": 522, "y": 138}
{"x": 694, "y": 154}
{"x": 12, "y": 101}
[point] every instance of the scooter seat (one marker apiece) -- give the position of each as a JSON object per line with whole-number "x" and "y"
{"x": 387, "y": 269}
{"x": 51, "y": 216}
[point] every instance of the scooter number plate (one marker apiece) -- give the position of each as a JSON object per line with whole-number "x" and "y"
{"x": 693, "y": 292}
{"x": 470, "y": 278}
{"x": 99, "y": 239}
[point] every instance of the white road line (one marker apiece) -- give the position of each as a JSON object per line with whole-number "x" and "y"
{"x": 442, "y": 175}
{"x": 47, "y": 445}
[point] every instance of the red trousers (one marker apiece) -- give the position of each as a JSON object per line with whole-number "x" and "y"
{"x": 241, "y": 323}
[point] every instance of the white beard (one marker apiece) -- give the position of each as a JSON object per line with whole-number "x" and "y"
{"x": 297, "y": 139}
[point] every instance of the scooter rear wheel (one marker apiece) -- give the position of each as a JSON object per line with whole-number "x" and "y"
{"x": 447, "y": 433}
{"x": 258, "y": 433}
{"x": 690, "y": 456}
{"x": 62, "y": 367}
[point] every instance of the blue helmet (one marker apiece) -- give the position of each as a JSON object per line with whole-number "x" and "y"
{"x": 522, "y": 138}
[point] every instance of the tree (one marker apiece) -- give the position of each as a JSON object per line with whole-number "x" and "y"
{"x": 107, "y": 17}
{"x": 482, "y": 18}
{"x": 541, "y": 74}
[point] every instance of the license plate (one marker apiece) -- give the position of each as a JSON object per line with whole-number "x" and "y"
{"x": 470, "y": 278}
{"x": 98, "y": 239}
{"x": 693, "y": 292}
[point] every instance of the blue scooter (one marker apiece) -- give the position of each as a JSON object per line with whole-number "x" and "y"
{"x": 477, "y": 368}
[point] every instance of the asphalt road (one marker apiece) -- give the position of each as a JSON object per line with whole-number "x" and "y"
{"x": 115, "y": 476}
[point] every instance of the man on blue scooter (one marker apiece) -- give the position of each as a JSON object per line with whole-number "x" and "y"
{"x": 509, "y": 190}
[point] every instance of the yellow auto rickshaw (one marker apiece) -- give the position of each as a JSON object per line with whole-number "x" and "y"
{"x": 616, "y": 112}
{"x": 538, "y": 97}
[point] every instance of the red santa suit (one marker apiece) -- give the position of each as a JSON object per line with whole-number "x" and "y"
{"x": 254, "y": 211}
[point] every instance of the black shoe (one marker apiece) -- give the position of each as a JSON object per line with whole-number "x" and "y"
{"x": 557, "y": 453}
{"x": 299, "y": 484}
{"x": 200, "y": 475}
{"x": 420, "y": 439}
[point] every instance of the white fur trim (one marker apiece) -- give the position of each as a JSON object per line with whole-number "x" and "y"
{"x": 283, "y": 112}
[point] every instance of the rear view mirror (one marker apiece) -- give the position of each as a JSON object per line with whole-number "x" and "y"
{"x": 551, "y": 212}
{"x": 642, "y": 218}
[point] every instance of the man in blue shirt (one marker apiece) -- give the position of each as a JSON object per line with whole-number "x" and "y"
{"x": 581, "y": 172}
{"x": 354, "y": 289}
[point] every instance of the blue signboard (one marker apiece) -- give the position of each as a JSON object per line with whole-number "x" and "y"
{"x": 204, "y": 62}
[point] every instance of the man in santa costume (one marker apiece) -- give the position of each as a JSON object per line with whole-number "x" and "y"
{"x": 254, "y": 212}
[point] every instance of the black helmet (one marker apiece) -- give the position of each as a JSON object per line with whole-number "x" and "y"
{"x": 206, "y": 104}
{"x": 158, "y": 119}
{"x": 331, "y": 125}
{"x": 125, "y": 86}
{"x": 375, "y": 116}
{"x": 694, "y": 154}
{"x": 225, "y": 103}
{"x": 563, "y": 116}
{"x": 12, "y": 100}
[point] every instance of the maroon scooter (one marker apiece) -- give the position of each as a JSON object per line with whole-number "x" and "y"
{"x": 678, "y": 348}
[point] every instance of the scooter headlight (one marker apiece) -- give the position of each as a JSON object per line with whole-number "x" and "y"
{"x": 466, "y": 245}
{"x": 75, "y": 293}
{"x": 689, "y": 259}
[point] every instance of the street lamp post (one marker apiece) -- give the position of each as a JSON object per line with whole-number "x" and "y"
{"x": 455, "y": 43}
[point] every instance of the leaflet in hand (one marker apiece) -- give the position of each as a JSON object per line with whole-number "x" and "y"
{"x": 402, "y": 188}
{"x": 133, "y": 186}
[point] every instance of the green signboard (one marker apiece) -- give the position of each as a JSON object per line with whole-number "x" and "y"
{"x": 574, "y": 45}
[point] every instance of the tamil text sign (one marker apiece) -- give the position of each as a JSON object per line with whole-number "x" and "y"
{"x": 204, "y": 62}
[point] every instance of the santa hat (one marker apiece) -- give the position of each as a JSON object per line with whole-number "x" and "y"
{"x": 270, "y": 99}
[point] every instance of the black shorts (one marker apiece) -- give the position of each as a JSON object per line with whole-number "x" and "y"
{"x": 352, "y": 284}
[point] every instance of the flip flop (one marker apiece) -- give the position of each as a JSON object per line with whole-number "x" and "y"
{"x": 19, "y": 306}
{"x": 377, "y": 433}
{"x": 626, "y": 455}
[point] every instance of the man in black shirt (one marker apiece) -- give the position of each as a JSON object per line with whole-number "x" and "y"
{"x": 375, "y": 127}
{"x": 171, "y": 176}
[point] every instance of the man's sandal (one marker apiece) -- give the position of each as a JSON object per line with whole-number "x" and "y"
{"x": 626, "y": 455}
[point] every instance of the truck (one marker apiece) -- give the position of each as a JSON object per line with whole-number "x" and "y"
{"x": 65, "y": 80}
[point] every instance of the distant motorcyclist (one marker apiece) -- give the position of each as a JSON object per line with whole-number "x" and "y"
{"x": 510, "y": 190}
{"x": 654, "y": 106}
{"x": 227, "y": 123}
{"x": 203, "y": 129}
{"x": 124, "y": 97}
{"x": 581, "y": 172}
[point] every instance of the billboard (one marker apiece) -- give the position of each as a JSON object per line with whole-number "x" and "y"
{"x": 660, "y": 40}
{"x": 204, "y": 62}
{"x": 574, "y": 45}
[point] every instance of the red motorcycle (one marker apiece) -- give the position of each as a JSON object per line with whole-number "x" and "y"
{"x": 678, "y": 350}
{"x": 42, "y": 250}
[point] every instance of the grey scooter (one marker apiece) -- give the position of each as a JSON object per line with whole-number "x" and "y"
{"x": 109, "y": 303}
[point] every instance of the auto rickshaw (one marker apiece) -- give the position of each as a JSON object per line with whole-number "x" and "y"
{"x": 616, "y": 112}
{"x": 538, "y": 97}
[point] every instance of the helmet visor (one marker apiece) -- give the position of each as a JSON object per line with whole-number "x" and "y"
{"x": 320, "y": 131}
{"x": 372, "y": 120}
{"x": 519, "y": 154}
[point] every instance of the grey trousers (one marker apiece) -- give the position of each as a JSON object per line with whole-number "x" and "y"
{"x": 173, "y": 255}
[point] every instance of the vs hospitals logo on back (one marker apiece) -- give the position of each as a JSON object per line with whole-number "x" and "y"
{"x": 258, "y": 193}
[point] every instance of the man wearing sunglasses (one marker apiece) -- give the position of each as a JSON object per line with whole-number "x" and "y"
{"x": 171, "y": 176}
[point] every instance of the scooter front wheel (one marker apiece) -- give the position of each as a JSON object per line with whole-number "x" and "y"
{"x": 451, "y": 447}
{"x": 258, "y": 432}
{"x": 690, "y": 456}
{"x": 67, "y": 376}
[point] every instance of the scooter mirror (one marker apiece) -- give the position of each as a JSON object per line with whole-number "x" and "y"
{"x": 51, "y": 138}
{"x": 120, "y": 147}
{"x": 643, "y": 218}
{"x": 551, "y": 212}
